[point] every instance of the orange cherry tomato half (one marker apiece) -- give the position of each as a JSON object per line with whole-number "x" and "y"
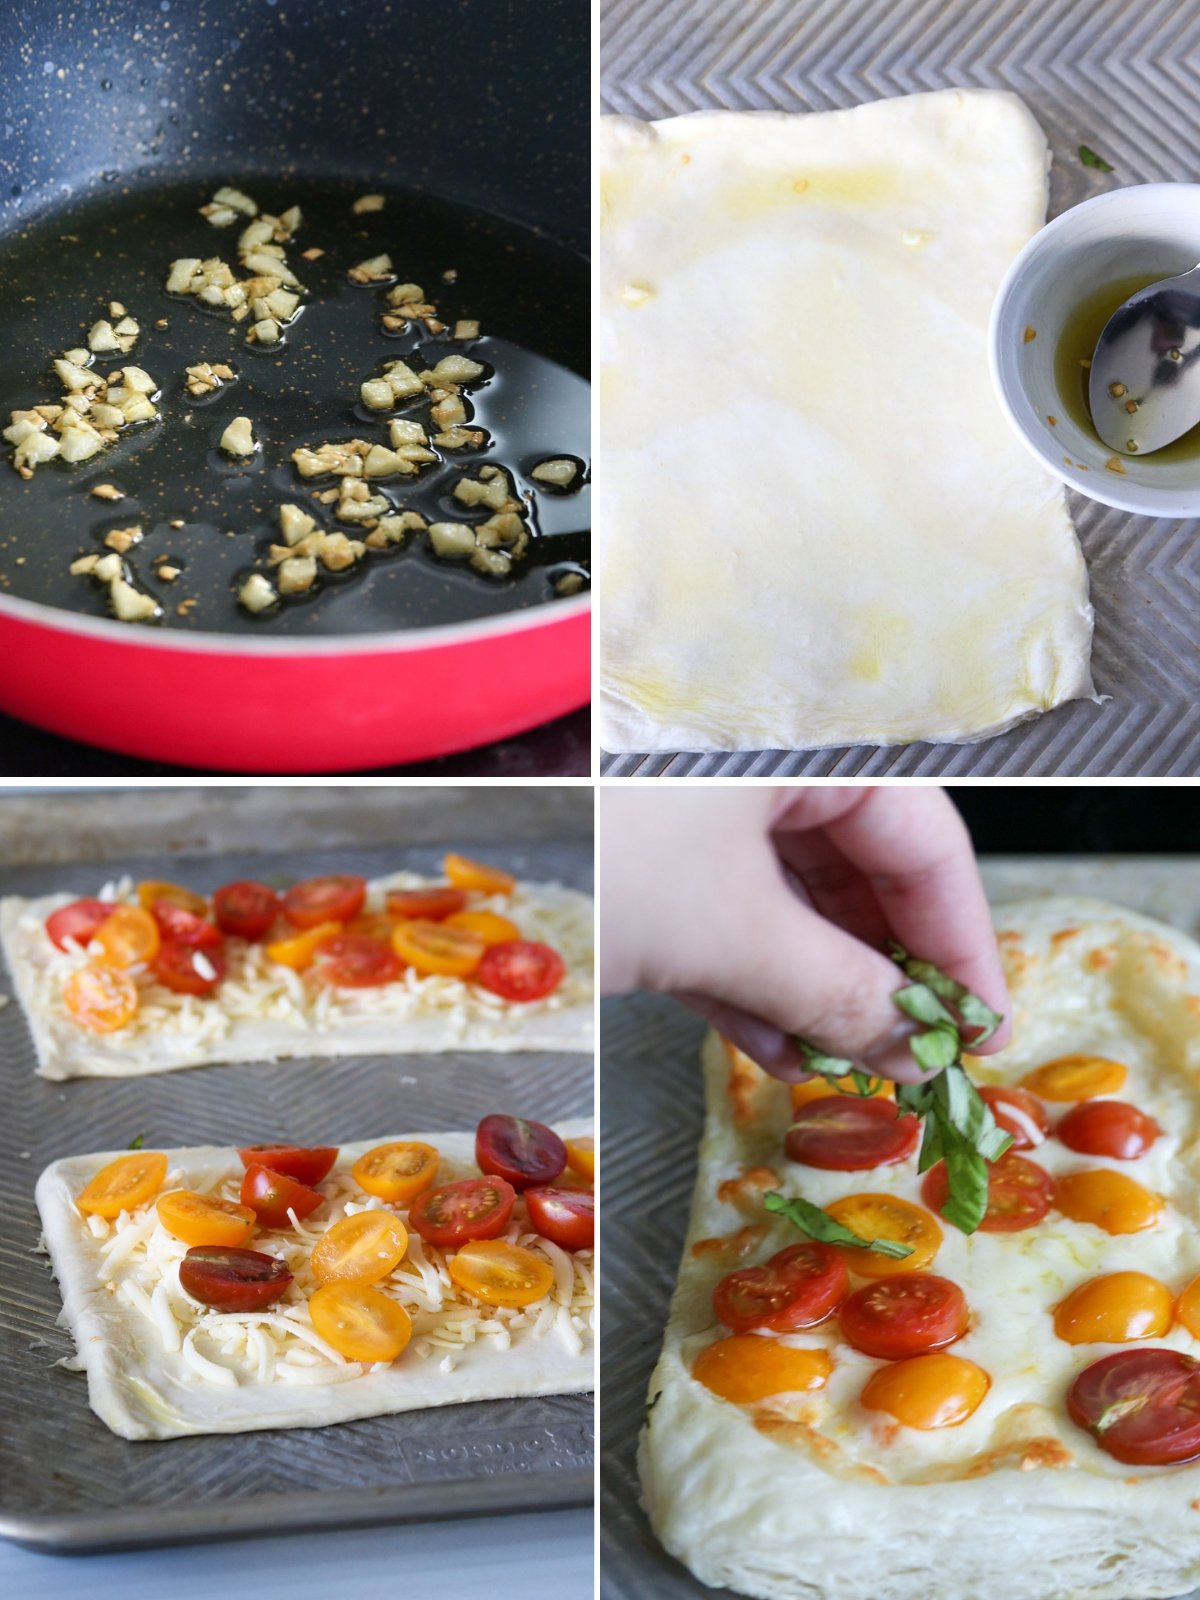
{"x": 101, "y": 998}
{"x": 128, "y": 936}
{"x": 473, "y": 1208}
{"x": 489, "y": 926}
{"x": 521, "y": 1152}
{"x": 373, "y": 925}
{"x": 271, "y": 1195}
{"x": 1114, "y": 1309}
{"x": 845, "y": 1134}
{"x": 353, "y": 961}
{"x": 885, "y": 1216}
{"x": 821, "y": 1088}
{"x": 361, "y": 1323}
{"x": 746, "y": 1368}
{"x": 903, "y": 1316}
{"x": 1020, "y": 1193}
{"x": 1109, "y": 1200}
{"x": 500, "y": 1273}
{"x": 567, "y": 1217}
{"x": 203, "y": 1219}
{"x": 930, "y": 1391}
{"x": 180, "y": 926}
{"x": 1141, "y": 1406}
{"x": 318, "y": 900}
{"x": 797, "y": 1288}
{"x": 467, "y": 874}
{"x": 397, "y": 1172}
{"x": 581, "y": 1157}
{"x": 521, "y": 970}
{"x": 434, "y": 904}
{"x": 123, "y": 1184}
{"x": 233, "y": 1280}
{"x": 306, "y": 1163}
{"x": 246, "y": 910}
{"x": 431, "y": 947}
{"x": 300, "y": 951}
{"x": 188, "y": 970}
{"x": 360, "y": 1249}
{"x": 1108, "y": 1128}
{"x": 78, "y": 921}
{"x": 1019, "y": 1113}
{"x": 152, "y": 891}
{"x": 1075, "y": 1078}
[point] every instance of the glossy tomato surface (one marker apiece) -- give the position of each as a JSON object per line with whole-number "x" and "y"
{"x": 1108, "y": 1128}
{"x": 181, "y": 926}
{"x": 1019, "y": 1113}
{"x": 797, "y": 1288}
{"x": 230, "y": 1279}
{"x": 566, "y": 1217}
{"x": 357, "y": 961}
{"x": 473, "y": 1208}
{"x": 337, "y": 898}
{"x": 434, "y": 904}
{"x": 1020, "y": 1193}
{"x": 521, "y": 970}
{"x": 306, "y": 1163}
{"x": 77, "y": 921}
{"x": 245, "y": 909}
{"x": 523, "y": 1153}
{"x": 905, "y": 1316}
{"x": 844, "y": 1133}
{"x": 187, "y": 969}
{"x": 1141, "y": 1406}
{"x": 271, "y": 1195}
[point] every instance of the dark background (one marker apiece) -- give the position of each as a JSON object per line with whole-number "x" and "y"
{"x": 1063, "y": 819}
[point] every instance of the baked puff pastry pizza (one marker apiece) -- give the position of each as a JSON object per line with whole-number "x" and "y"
{"x": 877, "y": 1405}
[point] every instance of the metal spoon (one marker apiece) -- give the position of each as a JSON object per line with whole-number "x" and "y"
{"x": 1144, "y": 384}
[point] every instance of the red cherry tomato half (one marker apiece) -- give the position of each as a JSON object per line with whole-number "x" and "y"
{"x": 188, "y": 970}
{"x": 426, "y": 905}
{"x": 1019, "y": 1113}
{"x": 270, "y": 1195}
{"x": 522, "y": 1153}
{"x": 1108, "y": 1128}
{"x": 77, "y": 921}
{"x": 317, "y": 900}
{"x": 1141, "y": 1406}
{"x": 305, "y": 1163}
{"x": 357, "y": 961}
{"x": 843, "y": 1133}
{"x": 905, "y": 1315}
{"x": 797, "y": 1288}
{"x": 566, "y": 1217}
{"x": 1020, "y": 1193}
{"x": 230, "y": 1279}
{"x": 180, "y": 926}
{"x": 475, "y": 1208}
{"x": 521, "y": 970}
{"x": 246, "y": 910}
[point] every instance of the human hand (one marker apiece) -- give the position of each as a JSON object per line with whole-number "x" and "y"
{"x": 767, "y": 910}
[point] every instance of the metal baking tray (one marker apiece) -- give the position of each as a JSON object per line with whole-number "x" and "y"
{"x": 1074, "y": 64}
{"x": 652, "y": 1118}
{"x": 66, "y": 1482}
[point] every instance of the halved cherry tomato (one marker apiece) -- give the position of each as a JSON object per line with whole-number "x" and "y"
{"x": 77, "y": 921}
{"x": 566, "y": 1217}
{"x": 1113, "y": 1309}
{"x": 233, "y": 1280}
{"x": 431, "y": 947}
{"x": 352, "y": 961}
{"x": 203, "y": 1219}
{"x": 746, "y": 1368}
{"x": 581, "y": 1157}
{"x": 1141, "y": 1406}
{"x": 360, "y": 1323}
{"x": 500, "y": 1273}
{"x": 1108, "y": 1128}
{"x": 434, "y": 904}
{"x": 522, "y": 1153}
{"x": 180, "y": 926}
{"x": 1020, "y": 1193}
{"x": 270, "y": 1195}
{"x": 930, "y": 1391}
{"x": 317, "y": 900}
{"x": 300, "y": 951}
{"x": 521, "y": 970}
{"x": 101, "y": 998}
{"x": 474, "y": 1208}
{"x": 127, "y": 1182}
{"x": 467, "y": 874}
{"x": 373, "y": 925}
{"x": 128, "y": 936}
{"x": 246, "y": 910}
{"x": 489, "y": 926}
{"x": 905, "y": 1316}
{"x": 306, "y": 1163}
{"x": 1109, "y": 1200}
{"x": 820, "y": 1088}
{"x": 885, "y": 1216}
{"x": 153, "y": 890}
{"x": 1075, "y": 1078}
{"x": 360, "y": 1249}
{"x": 845, "y": 1134}
{"x": 797, "y": 1288}
{"x": 1019, "y": 1113}
{"x": 397, "y": 1172}
{"x": 188, "y": 970}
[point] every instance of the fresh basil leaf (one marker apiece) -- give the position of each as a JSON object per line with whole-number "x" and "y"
{"x": 1091, "y": 159}
{"x": 967, "y": 1178}
{"x": 818, "y": 1224}
{"x": 936, "y": 1049}
{"x": 974, "y": 1012}
{"x": 921, "y": 1003}
{"x": 931, "y": 1145}
{"x": 817, "y": 1061}
{"x": 136, "y": 1144}
{"x": 865, "y": 1086}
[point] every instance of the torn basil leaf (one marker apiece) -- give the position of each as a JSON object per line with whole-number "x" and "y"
{"x": 819, "y": 1225}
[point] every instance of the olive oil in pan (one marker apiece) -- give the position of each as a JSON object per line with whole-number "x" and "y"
{"x": 1072, "y": 363}
{"x": 530, "y": 296}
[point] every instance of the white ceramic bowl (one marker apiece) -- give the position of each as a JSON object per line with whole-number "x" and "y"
{"x": 1152, "y": 228}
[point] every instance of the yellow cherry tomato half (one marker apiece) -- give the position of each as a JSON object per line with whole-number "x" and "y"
{"x": 360, "y": 1249}
{"x": 152, "y": 891}
{"x": 581, "y": 1157}
{"x": 1109, "y": 1200}
{"x": 432, "y": 947}
{"x": 1113, "y": 1309}
{"x": 886, "y": 1216}
{"x": 1188, "y": 1309}
{"x": 101, "y": 998}
{"x": 1075, "y": 1078}
{"x": 489, "y": 926}
{"x": 746, "y": 1367}
{"x": 397, "y": 1172}
{"x": 503, "y": 1274}
{"x": 203, "y": 1219}
{"x": 818, "y": 1088}
{"x": 932, "y": 1391}
{"x": 467, "y": 874}
{"x": 123, "y": 1184}
{"x": 300, "y": 951}
{"x": 360, "y": 1323}
{"x": 127, "y": 936}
